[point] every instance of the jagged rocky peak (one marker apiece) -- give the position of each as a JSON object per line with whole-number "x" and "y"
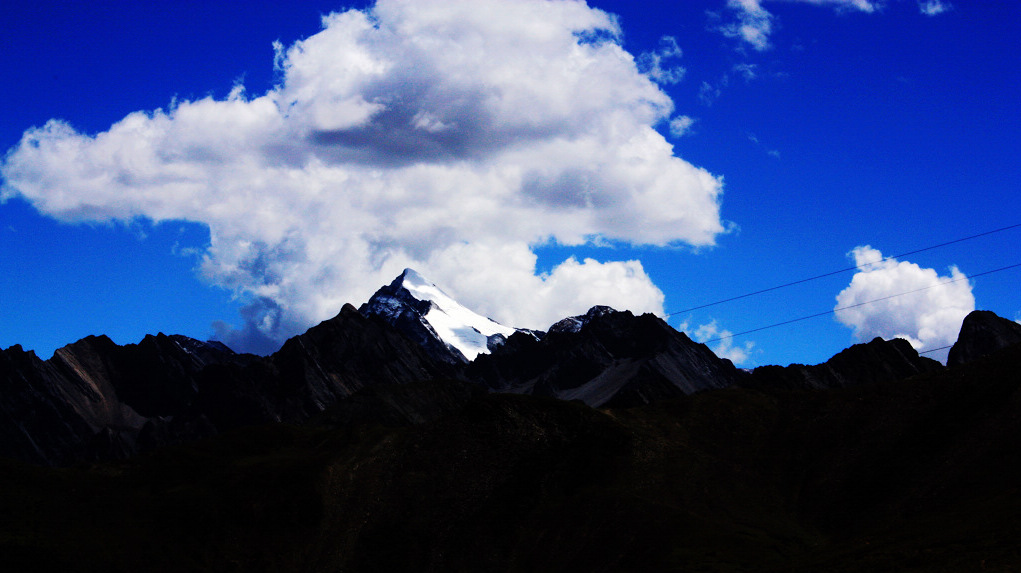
{"x": 390, "y": 301}
{"x": 204, "y": 350}
{"x": 605, "y": 358}
{"x": 575, "y": 323}
{"x": 430, "y": 317}
{"x": 983, "y": 332}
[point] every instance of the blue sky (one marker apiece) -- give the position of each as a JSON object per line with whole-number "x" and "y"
{"x": 823, "y": 127}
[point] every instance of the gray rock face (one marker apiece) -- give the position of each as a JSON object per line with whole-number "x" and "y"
{"x": 983, "y": 332}
{"x": 875, "y": 362}
{"x": 93, "y": 397}
{"x": 37, "y": 424}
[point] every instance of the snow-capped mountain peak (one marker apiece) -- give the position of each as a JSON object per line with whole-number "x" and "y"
{"x": 423, "y": 311}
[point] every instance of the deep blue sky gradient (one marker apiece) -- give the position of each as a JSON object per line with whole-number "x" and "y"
{"x": 892, "y": 129}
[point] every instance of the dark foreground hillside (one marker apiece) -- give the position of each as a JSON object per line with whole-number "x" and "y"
{"x": 918, "y": 475}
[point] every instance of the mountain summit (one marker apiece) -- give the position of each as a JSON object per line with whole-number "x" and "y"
{"x": 433, "y": 319}
{"x": 982, "y": 333}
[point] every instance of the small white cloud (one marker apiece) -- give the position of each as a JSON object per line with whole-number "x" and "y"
{"x": 709, "y": 93}
{"x": 747, "y": 71}
{"x": 770, "y": 152}
{"x": 754, "y": 24}
{"x": 867, "y": 6}
{"x": 681, "y": 125}
{"x": 928, "y": 317}
{"x": 187, "y": 252}
{"x": 724, "y": 339}
{"x": 933, "y": 7}
{"x": 426, "y": 121}
{"x": 652, "y": 63}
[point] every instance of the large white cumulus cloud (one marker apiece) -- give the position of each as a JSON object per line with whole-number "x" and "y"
{"x": 928, "y": 318}
{"x": 449, "y": 136}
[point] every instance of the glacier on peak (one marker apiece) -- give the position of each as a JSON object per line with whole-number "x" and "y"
{"x": 434, "y": 319}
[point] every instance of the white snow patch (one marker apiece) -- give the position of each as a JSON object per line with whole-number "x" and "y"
{"x": 453, "y": 323}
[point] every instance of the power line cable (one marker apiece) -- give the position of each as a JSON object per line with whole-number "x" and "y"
{"x": 835, "y": 310}
{"x": 931, "y": 350}
{"x": 829, "y": 274}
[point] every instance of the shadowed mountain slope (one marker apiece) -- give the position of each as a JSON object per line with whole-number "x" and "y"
{"x": 95, "y": 399}
{"x": 93, "y": 388}
{"x": 918, "y": 474}
{"x": 604, "y": 358}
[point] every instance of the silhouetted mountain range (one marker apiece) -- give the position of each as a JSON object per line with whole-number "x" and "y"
{"x": 611, "y": 442}
{"x": 97, "y": 400}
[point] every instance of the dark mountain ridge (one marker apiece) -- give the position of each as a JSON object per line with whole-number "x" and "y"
{"x": 96, "y": 400}
{"x": 604, "y": 358}
{"x": 93, "y": 388}
{"x": 982, "y": 332}
{"x": 611, "y": 443}
{"x": 876, "y": 361}
{"x": 917, "y": 474}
